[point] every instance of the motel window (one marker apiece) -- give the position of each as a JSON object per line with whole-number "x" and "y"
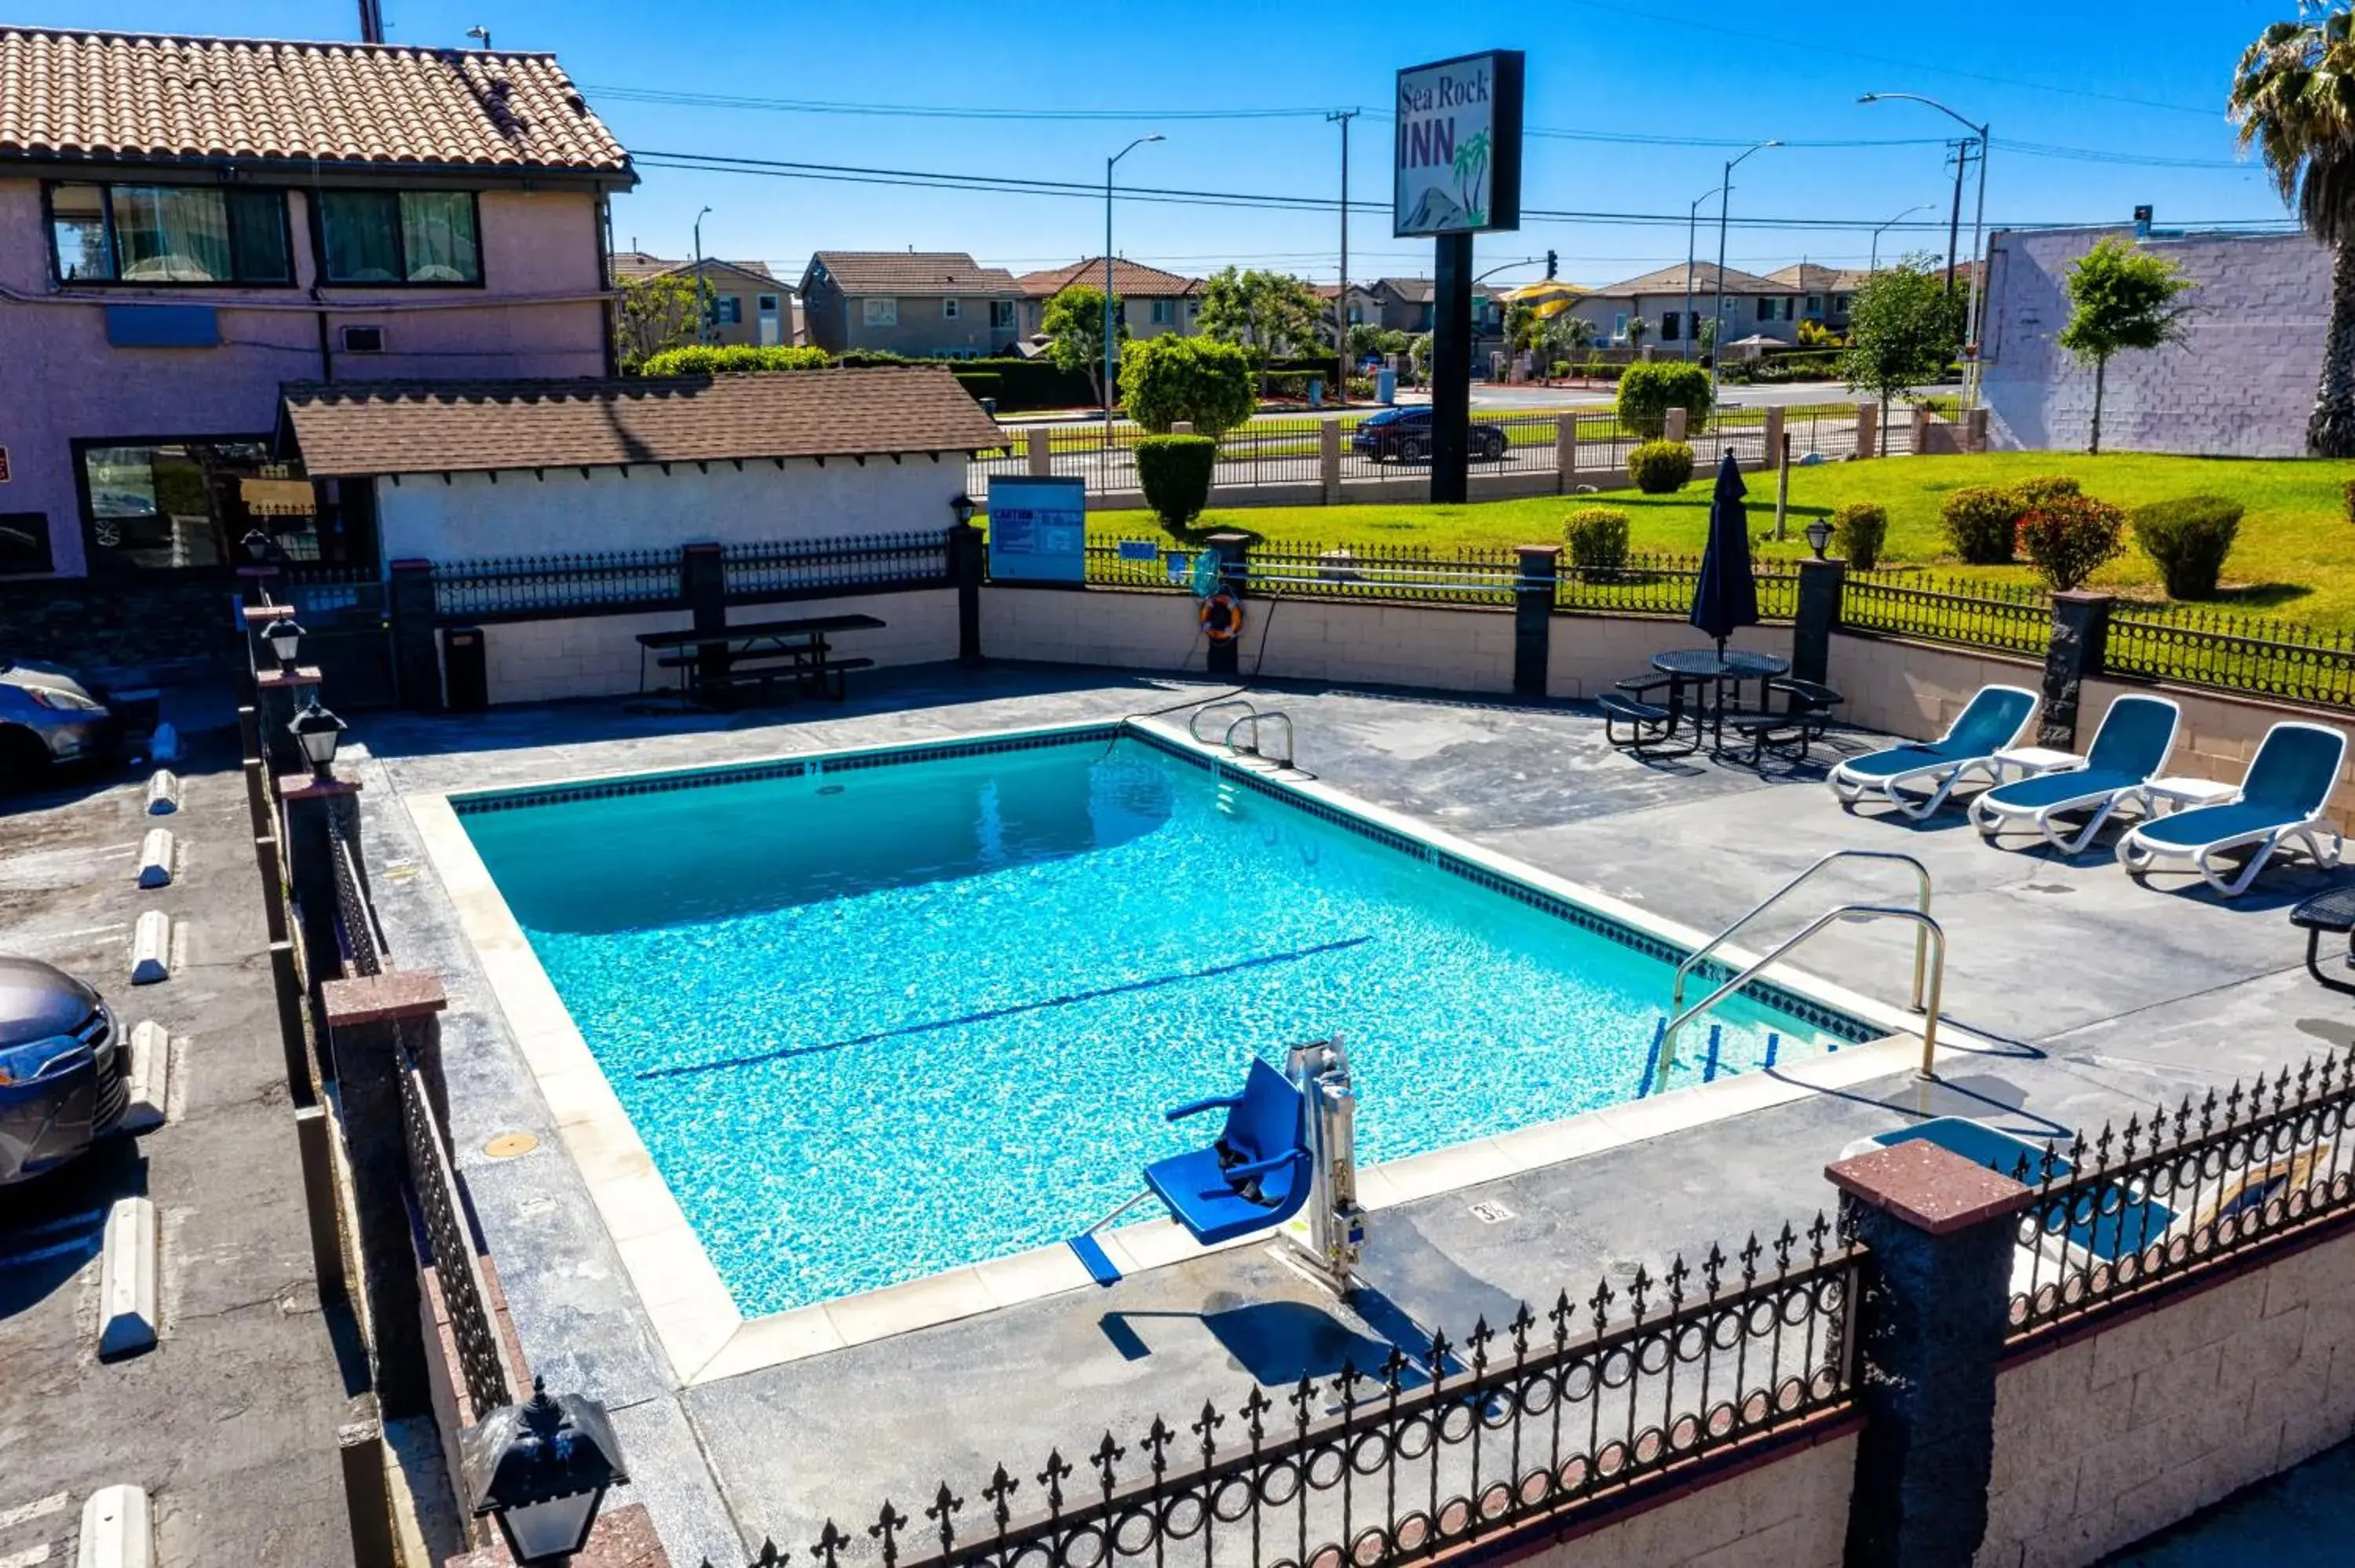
{"x": 399, "y": 237}
{"x": 727, "y": 310}
{"x": 168, "y": 234}
{"x": 880, "y": 313}
{"x": 949, "y": 310}
{"x": 165, "y": 505}
{"x": 25, "y": 543}
{"x": 1001, "y": 315}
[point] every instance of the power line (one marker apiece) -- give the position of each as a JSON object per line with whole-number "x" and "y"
{"x": 682, "y": 99}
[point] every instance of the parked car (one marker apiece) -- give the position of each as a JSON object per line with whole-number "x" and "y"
{"x": 1403, "y": 435}
{"x": 49, "y": 715}
{"x": 64, "y": 1068}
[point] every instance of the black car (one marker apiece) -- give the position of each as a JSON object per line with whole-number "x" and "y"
{"x": 1403, "y": 435}
{"x": 63, "y": 1070}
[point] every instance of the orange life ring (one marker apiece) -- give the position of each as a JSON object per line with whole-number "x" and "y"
{"x": 1222, "y": 616}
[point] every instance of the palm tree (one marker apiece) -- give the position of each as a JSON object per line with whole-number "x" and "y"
{"x": 2293, "y": 100}
{"x": 1471, "y": 164}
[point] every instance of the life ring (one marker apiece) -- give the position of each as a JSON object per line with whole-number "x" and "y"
{"x": 1223, "y": 618}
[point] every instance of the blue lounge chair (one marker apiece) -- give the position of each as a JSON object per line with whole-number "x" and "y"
{"x": 1992, "y": 721}
{"x": 2130, "y": 749}
{"x": 2283, "y": 798}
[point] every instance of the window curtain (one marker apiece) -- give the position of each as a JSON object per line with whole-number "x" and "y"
{"x": 363, "y": 233}
{"x": 437, "y": 232}
{"x": 172, "y": 234}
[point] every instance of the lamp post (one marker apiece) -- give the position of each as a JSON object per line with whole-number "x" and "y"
{"x": 1110, "y": 348}
{"x": 318, "y": 733}
{"x": 1978, "y": 224}
{"x": 480, "y": 32}
{"x": 1917, "y": 206}
{"x": 1693, "y": 220}
{"x": 702, "y": 311}
{"x": 541, "y": 1470}
{"x": 962, "y": 505}
{"x": 1819, "y": 534}
{"x": 285, "y": 637}
{"x": 1724, "y": 191}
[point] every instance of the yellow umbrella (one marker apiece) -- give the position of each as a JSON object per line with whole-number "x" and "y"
{"x": 1547, "y": 298}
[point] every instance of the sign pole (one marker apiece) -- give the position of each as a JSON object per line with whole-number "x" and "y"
{"x": 1451, "y": 369}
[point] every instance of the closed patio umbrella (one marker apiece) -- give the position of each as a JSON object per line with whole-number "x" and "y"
{"x": 1726, "y": 596}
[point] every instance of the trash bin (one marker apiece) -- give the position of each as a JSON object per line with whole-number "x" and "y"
{"x": 988, "y": 405}
{"x": 1316, "y": 391}
{"x": 1386, "y": 386}
{"x": 465, "y": 669}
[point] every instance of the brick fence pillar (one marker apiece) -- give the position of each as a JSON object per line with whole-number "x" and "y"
{"x": 416, "y": 664}
{"x": 2081, "y": 638}
{"x": 1929, "y": 1330}
{"x": 1919, "y": 441}
{"x": 1328, "y": 459}
{"x": 1867, "y": 430}
{"x": 1680, "y": 424}
{"x": 703, "y": 584}
{"x": 1232, "y": 551}
{"x": 965, "y": 560}
{"x": 1042, "y": 459}
{"x": 1565, "y": 452}
{"x": 1770, "y": 451}
{"x": 1818, "y": 615}
{"x": 1533, "y": 597}
{"x": 1974, "y": 431}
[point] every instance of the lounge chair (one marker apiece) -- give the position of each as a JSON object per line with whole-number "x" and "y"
{"x": 1991, "y": 722}
{"x": 2129, "y": 750}
{"x": 2282, "y": 798}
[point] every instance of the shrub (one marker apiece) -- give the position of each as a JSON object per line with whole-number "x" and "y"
{"x": 1982, "y": 523}
{"x": 980, "y": 383}
{"x": 2069, "y": 538}
{"x": 1597, "y": 537}
{"x": 717, "y": 358}
{"x": 1361, "y": 388}
{"x": 1201, "y": 380}
{"x": 1858, "y": 530}
{"x": 1659, "y": 468}
{"x": 2039, "y": 488}
{"x": 1175, "y": 473}
{"x": 1648, "y": 391}
{"x": 2188, "y": 539}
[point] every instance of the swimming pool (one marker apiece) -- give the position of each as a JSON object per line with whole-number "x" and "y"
{"x": 879, "y": 1015}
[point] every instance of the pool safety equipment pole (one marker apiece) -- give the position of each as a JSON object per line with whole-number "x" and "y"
{"x": 1337, "y": 1226}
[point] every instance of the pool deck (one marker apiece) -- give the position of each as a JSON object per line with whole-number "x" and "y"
{"x": 2092, "y": 998}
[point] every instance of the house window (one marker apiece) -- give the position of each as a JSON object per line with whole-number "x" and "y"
{"x": 1839, "y": 305}
{"x": 727, "y": 310}
{"x": 1766, "y": 309}
{"x": 168, "y": 234}
{"x": 1001, "y": 315}
{"x": 1619, "y": 326}
{"x": 768, "y": 304}
{"x": 399, "y": 237}
{"x": 1815, "y": 305}
{"x": 1193, "y": 307}
{"x": 881, "y": 313}
{"x": 1164, "y": 312}
{"x": 948, "y": 310}
{"x": 1668, "y": 326}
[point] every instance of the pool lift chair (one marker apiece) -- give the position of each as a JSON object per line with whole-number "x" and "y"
{"x": 1287, "y": 1150}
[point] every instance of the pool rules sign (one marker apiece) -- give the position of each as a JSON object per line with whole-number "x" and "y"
{"x": 1457, "y": 164}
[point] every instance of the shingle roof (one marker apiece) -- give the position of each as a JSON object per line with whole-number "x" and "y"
{"x": 1813, "y": 278}
{"x": 1671, "y": 280}
{"x": 353, "y": 427}
{"x": 142, "y": 96}
{"x": 1130, "y": 279}
{"x": 1424, "y": 291}
{"x": 911, "y": 272}
{"x": 630, "y": 264}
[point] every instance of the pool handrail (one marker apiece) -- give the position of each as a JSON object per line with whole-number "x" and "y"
{"x": 1255, "y": 719}
{"x": 1194, "y": 719}
{"x": 1921, "y": 938}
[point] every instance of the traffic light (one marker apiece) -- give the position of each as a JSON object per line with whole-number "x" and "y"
{"x": 1553, "y": 262}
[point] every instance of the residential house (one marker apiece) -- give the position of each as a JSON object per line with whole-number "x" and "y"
{"x": 743, "y": 302}
{"x": 1825, "y": 293}
{"x": 187, "y": 222}
{"x": 1365, "y": 307}
{"x": 923, "y": 304}
{"x": 1152, "y": 301}
{"x": 1411, "y": 305}
{"x": 1755, "y": 306}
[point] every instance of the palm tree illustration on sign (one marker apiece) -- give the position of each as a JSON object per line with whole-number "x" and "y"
{"x": 1471, "y": 177}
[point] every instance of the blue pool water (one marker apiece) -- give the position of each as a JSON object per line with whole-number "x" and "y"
{"x": 888, "y": 1020}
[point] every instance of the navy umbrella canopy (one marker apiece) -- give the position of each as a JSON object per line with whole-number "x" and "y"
{"x": 1726, "y": 596}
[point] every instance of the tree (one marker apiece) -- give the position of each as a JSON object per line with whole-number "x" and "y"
{"x": 1903, "y": 329}
{"x": 652, "y": 315}
{"x": 2121, "y": 298}
{"x": 2293, "y": 100}
{"x": 1419, "y": 355}
{"x": 1524, "y": 328}
{"x": 1636, "y": 329}
{"x": 1266, "y": 312}
{"x": 1073, "y": 322}
{"x": 1167, "y": 378}
{"x": 1565, "y": 337}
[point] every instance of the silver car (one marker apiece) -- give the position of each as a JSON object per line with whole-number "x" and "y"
{"x": 64, "y": 1077}
{"x": 48, "y": 715}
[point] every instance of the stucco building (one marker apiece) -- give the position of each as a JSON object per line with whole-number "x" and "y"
{"x": 743, "y": 302}
{"x": 1152, "y": 301}
{"x": 925, "y": 304}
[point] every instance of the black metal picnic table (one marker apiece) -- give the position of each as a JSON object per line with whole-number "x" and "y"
{"x": 1708, "y": 672}
{"x": 723, "y": 658}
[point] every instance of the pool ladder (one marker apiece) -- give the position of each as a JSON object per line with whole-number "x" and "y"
{"x": 1252, "y": 716}
{"x": 1929, "y": 952}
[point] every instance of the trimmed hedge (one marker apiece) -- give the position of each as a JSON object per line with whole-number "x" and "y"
{"x": 1983, "y": 523}
{"x": 1022, "y": 384}
{"x": 1858, "y": 530}
{"x": 980, "y": 383}
{"x": 1648, "y": 391}
{"x": 1661, "y": 468}
{"x": 2039, "y": 488}
{"x": 720, "y": 359}
{"x": 2188, "y": 539}
{"x": 1175, "y": 473}
{"x": 1597, "y": 536}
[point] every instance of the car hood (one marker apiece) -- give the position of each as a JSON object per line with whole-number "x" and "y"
{"x": 45, "y": 677}
{"x": 38, "y": 1000}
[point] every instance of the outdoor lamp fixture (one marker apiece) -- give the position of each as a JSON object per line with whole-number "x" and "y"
{"x": 1111, "y": 349}
{"x": 1819, "y": 534}
{"x": 256, "y": 545}
{"x": 962, "y": 504}
{"x": 284, "y": 638}
{"x": 318, "y": 733}
{"x": 541, "y": 1470}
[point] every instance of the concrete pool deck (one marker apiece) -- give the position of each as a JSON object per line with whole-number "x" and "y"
{"x": 2094, "y": 999}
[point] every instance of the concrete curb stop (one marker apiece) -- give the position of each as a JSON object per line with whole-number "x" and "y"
{"x": 151, "y": 949}
{"x": 155, "y": 858}
{"x": 163, "y": 791}
{"x": 164, "y": 745}
{"x": 151, "y": 1068}
{"x": 117, "y": 1529}
{"x": 126, "y": 1289}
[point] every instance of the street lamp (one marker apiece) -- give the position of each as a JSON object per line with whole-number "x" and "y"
{"x": 479, "y": 31}
{"x": 702, "y": 311}
{"x": 284, "y": 638}
{"x": 1819, "y": 534}
{"x": 1918, "y": 206}
{"x": 1108, "y": 346}
{"x": 962, "y": 504}
{"x": 1692, "y": 219}
{"x": 541, "y": 1470}
{"x": 1978, "y": 222}
{"x": 318, "y": 732}
{"x": 1724, "y": 191}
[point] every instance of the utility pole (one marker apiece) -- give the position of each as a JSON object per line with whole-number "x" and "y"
{"x": 702, "y": 306}
{"x": 1341, "y": 295}
{"x": 372, "y": 22}
{"x": 1955, "y": 216}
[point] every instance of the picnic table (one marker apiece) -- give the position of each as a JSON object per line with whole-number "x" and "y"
{"x": 1708, "y": 672}
{"x": 723, "y": 660}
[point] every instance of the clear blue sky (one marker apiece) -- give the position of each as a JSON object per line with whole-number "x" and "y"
{"x": 2148, "y": 81}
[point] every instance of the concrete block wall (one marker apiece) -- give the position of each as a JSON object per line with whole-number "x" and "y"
{"x": 2113, "y": 1436}
{"x": 1916, "y": 689}
{"x": 1790, "y": 1513}
{"x": 1587, "y": 655}
{"x": 1153, "y": 633}
{"x": 1383, "y": 644}
{"x": 2219, "y": 734}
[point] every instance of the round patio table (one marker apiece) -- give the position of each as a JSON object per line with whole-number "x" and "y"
{"x": 1709, "y": 673}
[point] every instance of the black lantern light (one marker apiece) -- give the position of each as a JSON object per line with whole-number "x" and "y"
{"x": 258, "y": 547}
{"x": 285, "y": 639}
{"x": 1819, "y": 534}
{"x": 318, "y": 732}
{"x": 964, "y": 508}
{"x": 541, "y": 1470}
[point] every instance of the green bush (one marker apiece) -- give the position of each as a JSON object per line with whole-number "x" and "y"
{"x": 1201, "y": 380}
{"x": 980, "y": 383}
{"x": 1661, "y": 468}
{"x": 1597, "y": 536}
{"x": 2188, "y": 539}
{"x": 1361, "y": 388}
{"x": 1982, "y": 523}
{"x": 2069, "y": 538}
{"x": 2039, "y": 488}
{"x": 1023, "y": 384}
{"x": 1858, "y": 530}
{"x": 717, "y": 359}
{"x": 1175, "y": 473}
{"x": 1648, "y": 391}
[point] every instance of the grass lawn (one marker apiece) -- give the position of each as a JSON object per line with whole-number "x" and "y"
{"x": 2294, "y": 558}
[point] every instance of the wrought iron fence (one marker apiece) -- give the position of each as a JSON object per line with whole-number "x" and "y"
{"x": 482, "y": 1354}
{"x": 1663, "y": 585}
{"x": 2273, "y": 658}
{"x": 1269, "y": 451}
{"x": 1602, "y": 441}
{"x": 1153, "y": 562}
{"x": 363, "y": 951}
{"x": 1466, "y": 576}
{"x": 770, "y": 569}
{"x": 1982, "y": 615}
{"x": 1531, "y": 443}
{"x": 1428, "y": 1451}
{"x": 524, "y": 584}
{"x": 2181, "y": 1192}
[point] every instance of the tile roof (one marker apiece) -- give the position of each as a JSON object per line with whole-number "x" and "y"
{"x": 911, "y": 272}
{"x": 140, "y": 96}
{"x": 354, "y": 427}
{"x": 627, "y": 264}
{"x": 1130, "y": 279}
{"x": 1671, "y": 280}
